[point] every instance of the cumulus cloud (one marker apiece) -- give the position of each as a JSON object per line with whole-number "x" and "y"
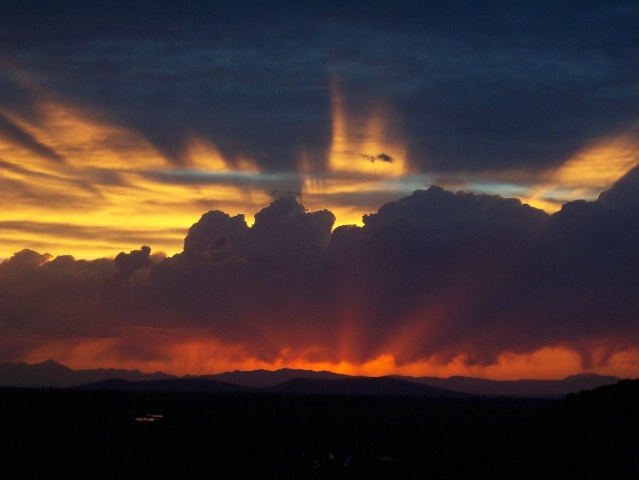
{"x": 434, "y": 276}
{"x": 45, "y": 297}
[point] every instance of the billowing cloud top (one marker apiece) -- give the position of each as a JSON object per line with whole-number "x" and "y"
{"x": 434, "y": 282}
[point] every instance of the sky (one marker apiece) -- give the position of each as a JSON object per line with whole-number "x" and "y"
{"x": 425, "y": 188}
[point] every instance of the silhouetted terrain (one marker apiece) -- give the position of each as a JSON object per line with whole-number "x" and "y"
{"x": 386, "y": 386}
{"x": 49, "y": 433}
{"x": 52, "y": 374}
{"x": 593, "y": 433}
{"x": 482, "y": 386}
{"x": 267, "y": 378}
{"x": 175, "y": 385}
{"x": 362, "y": 386}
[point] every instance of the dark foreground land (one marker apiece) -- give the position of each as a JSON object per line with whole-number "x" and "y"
{"x": 95, "y": 435}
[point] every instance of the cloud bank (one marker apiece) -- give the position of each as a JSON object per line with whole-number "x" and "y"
{"x": 436, "y": 279}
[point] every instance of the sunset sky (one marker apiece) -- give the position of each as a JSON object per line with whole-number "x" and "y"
{"x": 362, "y": 187}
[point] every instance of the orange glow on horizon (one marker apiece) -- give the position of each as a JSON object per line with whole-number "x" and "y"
{"x": 180, "y": 353}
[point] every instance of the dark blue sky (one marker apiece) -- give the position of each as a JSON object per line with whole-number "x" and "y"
{"x": 474, "y": 85}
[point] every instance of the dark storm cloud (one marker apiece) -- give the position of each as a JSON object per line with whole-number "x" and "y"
{"x": 475, "y": 86}
{"x": 52, "y": 299}
{"x": 433, "y": 275}
{"x": 481, "y": 275}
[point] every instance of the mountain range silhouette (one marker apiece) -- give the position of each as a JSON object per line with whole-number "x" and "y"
{"x": 51, "y": 374}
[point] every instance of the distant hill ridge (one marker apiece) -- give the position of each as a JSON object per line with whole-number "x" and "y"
{"x": 176, "y": 385}
{"x": 51, "y": 374}
{"x": 482, "y": 386}
{"x": 267, "y": 378}
{"x": 351, "y": 386}
{"x": 55, "y": 375}
{"x": 370, "y": 386}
